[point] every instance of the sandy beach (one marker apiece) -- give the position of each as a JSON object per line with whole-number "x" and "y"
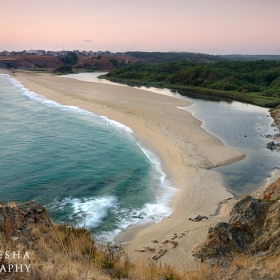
{"x": 187, "y": 152}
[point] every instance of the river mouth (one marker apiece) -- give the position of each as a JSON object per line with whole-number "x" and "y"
{"x": 241, "y": 126}
{"x": 237, "y": 124}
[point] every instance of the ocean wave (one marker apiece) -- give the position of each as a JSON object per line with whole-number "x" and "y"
{"x": 150, "y": 212}
{"x": 91, "y": 213}
{"x": 86, "y": 212}
{"x": 50, "y": 103}
{"x": 101, "y": 205}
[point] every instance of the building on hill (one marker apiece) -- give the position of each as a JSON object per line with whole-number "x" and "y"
{"x": 77, "y": 52}
{"x": 63, "y": 53}
{"x": 5, "y": 53}
{"x": 41, "y": 52}
{"x": 31, "y": 52}
{"x": 85, "y": 53}
{"x": 52, "y": 53}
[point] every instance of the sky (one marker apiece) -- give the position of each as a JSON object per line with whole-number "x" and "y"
{"x": 205, "y": 26}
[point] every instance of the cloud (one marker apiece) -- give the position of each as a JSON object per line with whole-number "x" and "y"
{"x": 88, "y": 41}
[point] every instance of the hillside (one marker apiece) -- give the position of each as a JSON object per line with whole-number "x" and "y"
{"x": 243, "y": 57}
{"x": 103, "y": 62}
{"x": 245, "y": 247}
{"x": 248, "y": 244}
{"x": 50, "y": 63}
{"x": 256, "y": 82}
{"x": 30, "y": 62}
{"x": 160, "y": 57}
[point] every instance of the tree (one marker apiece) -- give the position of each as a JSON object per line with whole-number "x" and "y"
{"x": 70, "y": 59}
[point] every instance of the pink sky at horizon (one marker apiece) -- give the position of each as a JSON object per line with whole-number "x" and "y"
{"x": 206, "y": 26}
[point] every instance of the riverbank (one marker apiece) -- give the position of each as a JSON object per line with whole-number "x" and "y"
{"x": 223, "y": 82}
{"x": 187, "y": 151}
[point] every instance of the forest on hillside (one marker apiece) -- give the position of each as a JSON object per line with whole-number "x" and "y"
{"x": 160, "y": 57}
{"x": 256, "y": 82}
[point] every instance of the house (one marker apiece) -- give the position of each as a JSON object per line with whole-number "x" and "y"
{"x": 77, "y": 52}
{"x": 51, "y": 53}
{"x": 31, "y": 52}
{"x": 41, "y": 52}
{"x": 85, "y": 53}
{"x": 6, "y": 53}
{"x": 63, "y": 53}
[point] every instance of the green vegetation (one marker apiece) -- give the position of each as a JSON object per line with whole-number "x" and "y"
{"x": 65, "y": 69}
{"x": 256, "y": 82}
{"x": 114, "y": 62}
{"x": 160, "y": 57}
{"x": 70, "y": 59}
{"x": 243, "y": 57}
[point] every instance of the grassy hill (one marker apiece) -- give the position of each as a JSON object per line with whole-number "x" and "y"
{"x": 30, "y": 62}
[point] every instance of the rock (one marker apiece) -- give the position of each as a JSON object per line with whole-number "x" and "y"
{"x": 148, "y": 248}
{"x": 267, "y": 136}
{"x": 181, "y": 235}
{"x": 154, "y": 241}
{"x": 173, "y": 244}
{"x": 174, "y": 236}
{"x": 159, "y": 254}
{"x": 273, "y": 146}
{"x": 140, "y": 251}
{"x": 270, "y": 145}
{"x": 165, "y": 241}
{"x": 272, "y": 192}
{"x": 22, "y": 218}
{"x": 254, "y": 227}
{"x": 198, "y": 218}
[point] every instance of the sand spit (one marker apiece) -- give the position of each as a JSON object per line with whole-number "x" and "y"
{"x": 187, "y": 152}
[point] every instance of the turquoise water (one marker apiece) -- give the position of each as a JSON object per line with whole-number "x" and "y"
{"x": 230, "y": 121}
{"x": 91, "y": 171}
{"x": 86, "y": 169}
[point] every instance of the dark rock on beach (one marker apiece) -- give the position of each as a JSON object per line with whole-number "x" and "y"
{"x": 254, "y": 228}
{"x": 198, "y": 218}
{"x": 273, "y": 146}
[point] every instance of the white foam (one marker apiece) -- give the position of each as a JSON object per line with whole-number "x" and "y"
{"x": 97, "y": 208}
{"x": 150, "y": 212}
{"x": 50, "y": 103}
{"x": 87, "y": 212}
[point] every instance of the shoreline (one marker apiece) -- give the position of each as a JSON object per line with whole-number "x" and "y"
{"x": 187, "y": 150}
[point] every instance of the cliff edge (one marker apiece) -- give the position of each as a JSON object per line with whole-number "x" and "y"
{"x": 250, "y": 240}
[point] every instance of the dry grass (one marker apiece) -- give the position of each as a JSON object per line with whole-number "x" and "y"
{"x": 70, "y": 253}
{"x": 63, "y": 252}
{"x": 11, "y": 204}
{"x": 36, "y": 232}
{"x": 243, "y": 261}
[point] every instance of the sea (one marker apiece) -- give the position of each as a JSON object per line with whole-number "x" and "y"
{"x": 87, "y": 170}
{"x": 93, "y": 172}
